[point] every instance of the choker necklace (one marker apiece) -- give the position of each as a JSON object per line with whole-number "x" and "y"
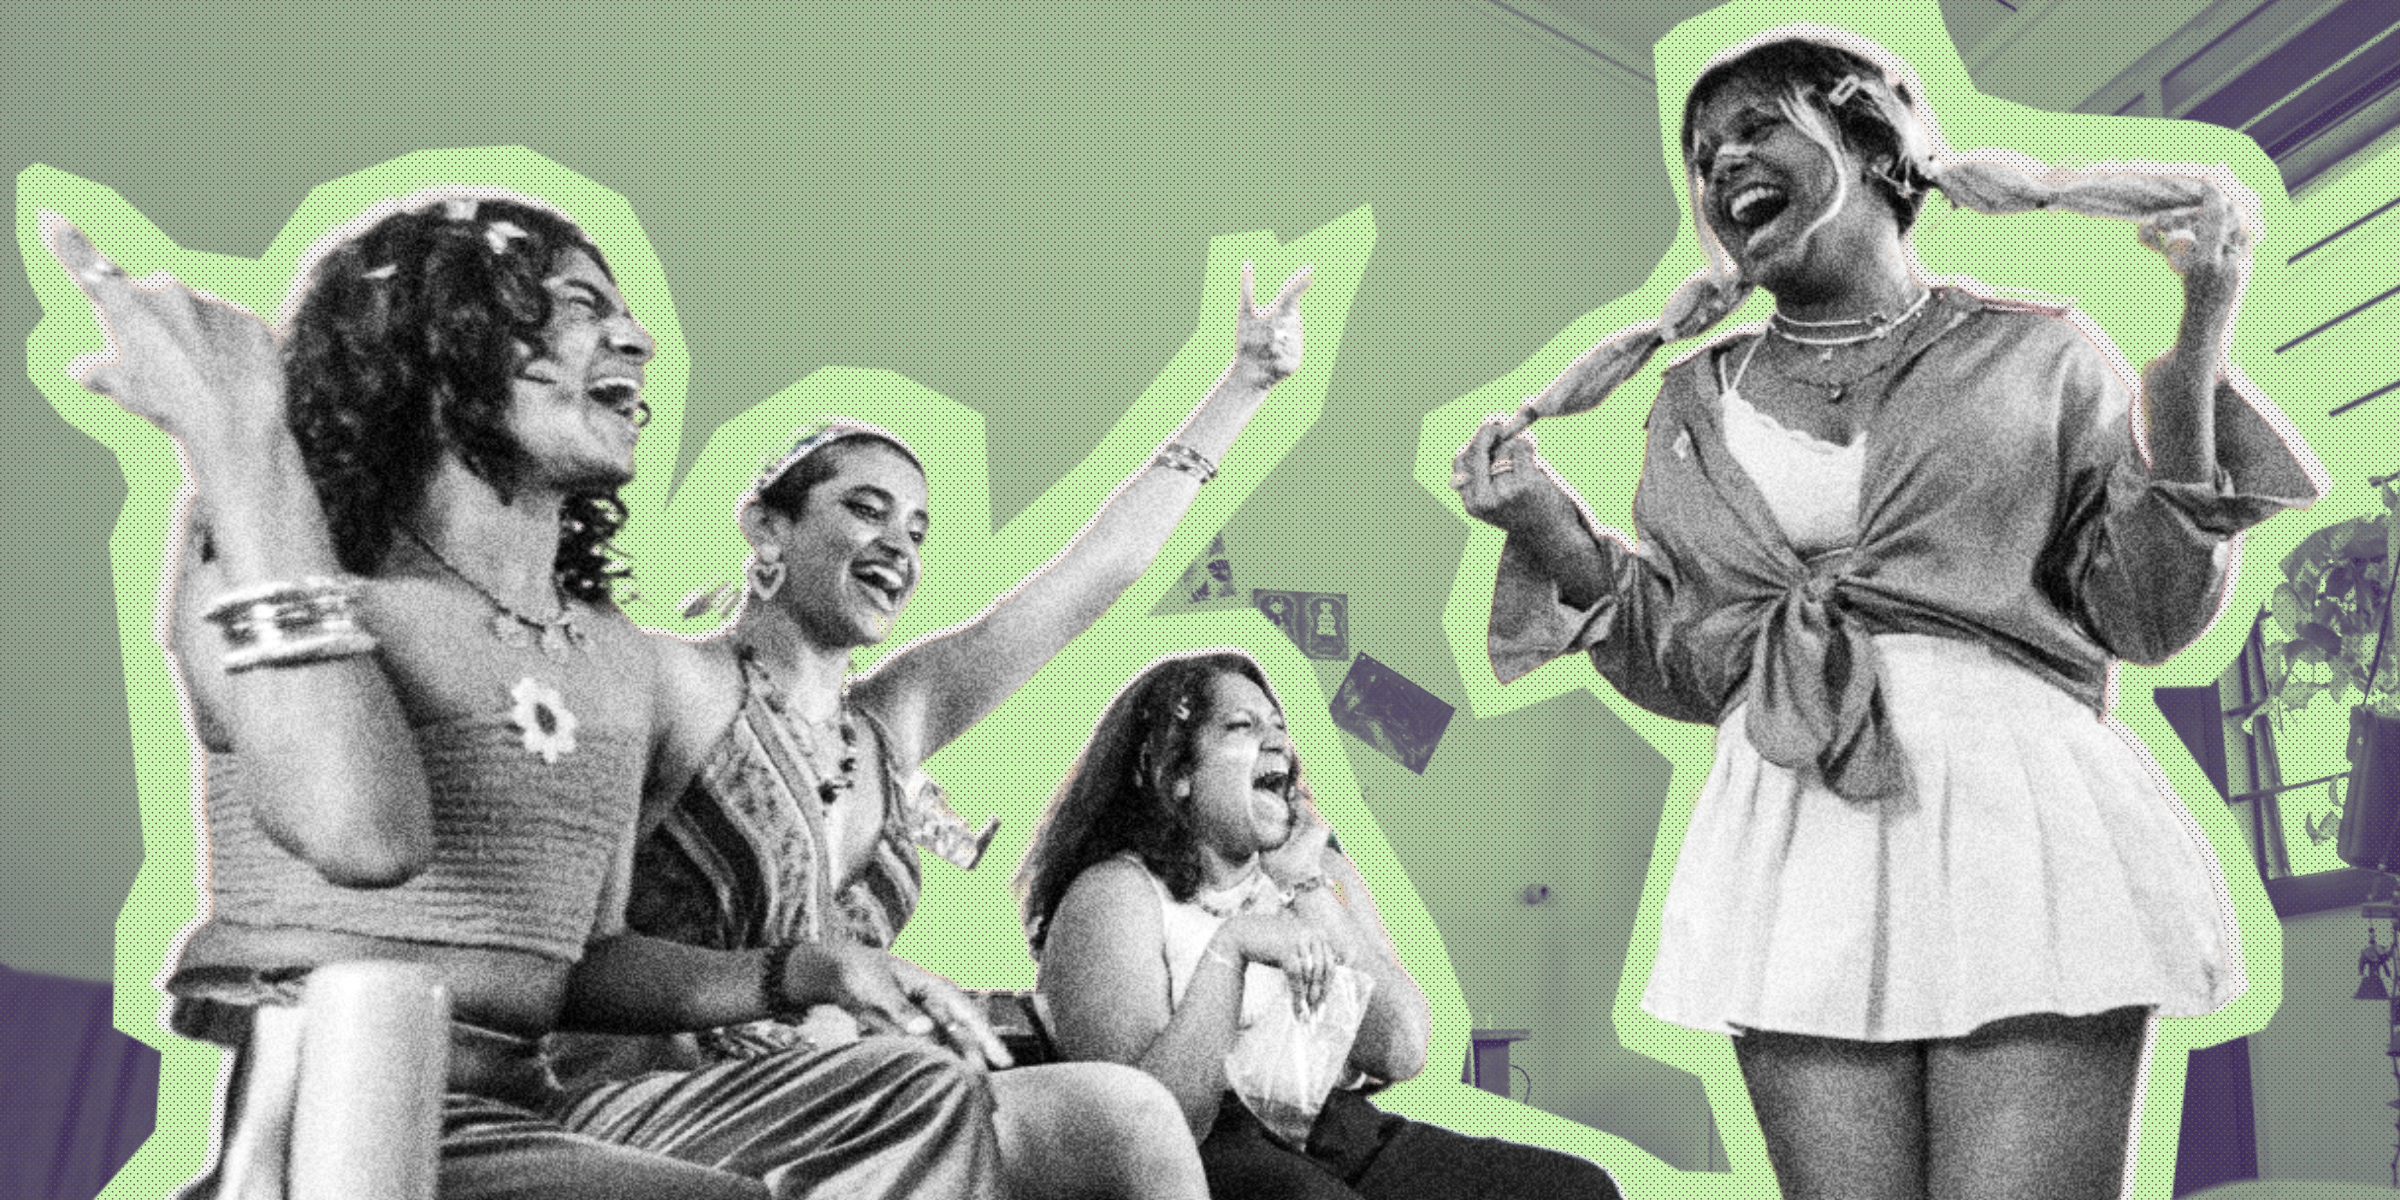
{"x": 1234, "y": 897}
{"x": 1881, "y": 327}
{"x": 556, "y": 635}
{"x": 842, "y": 775}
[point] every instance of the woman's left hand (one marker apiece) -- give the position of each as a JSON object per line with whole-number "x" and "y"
{"x": 2208, "y": 244}
{"x": 1299, "y": 863}
{"x": 1270, "y": 340}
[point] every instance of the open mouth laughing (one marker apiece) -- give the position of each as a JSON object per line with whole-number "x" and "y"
{"x": 1752, "y": 208}
{"x": 885, "y": 585}
{"x": 621, "y": 394}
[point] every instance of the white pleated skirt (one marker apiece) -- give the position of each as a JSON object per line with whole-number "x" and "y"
{"x": 2042, "y": 866}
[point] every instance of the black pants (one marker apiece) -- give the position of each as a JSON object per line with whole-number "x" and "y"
{"x": 1355, "y": 1150}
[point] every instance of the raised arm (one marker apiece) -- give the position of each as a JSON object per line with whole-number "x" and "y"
{"x": 935, "y": 691}
{"x": 2206, "y": 240}
{"x": 262, "y": 623}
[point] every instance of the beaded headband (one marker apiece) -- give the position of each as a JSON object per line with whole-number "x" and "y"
{"x": 817, "y": 437}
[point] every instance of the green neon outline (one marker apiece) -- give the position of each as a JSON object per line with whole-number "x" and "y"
{"x": 2119, "y": 285}
{"x": 1007, "y": 765}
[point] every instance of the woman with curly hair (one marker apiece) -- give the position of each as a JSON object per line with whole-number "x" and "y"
{"x": 429, "y": 730}
{"x": 1181, "y": 855}
{"x": 1890, "y": 545}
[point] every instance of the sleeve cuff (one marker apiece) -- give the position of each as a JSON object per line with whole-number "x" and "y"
{"x": 1530, "y": 625}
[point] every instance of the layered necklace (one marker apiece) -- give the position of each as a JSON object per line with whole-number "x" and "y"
{"x": 557, "y": 635}
{"x": 836, "y": 768}
{"x": 1872, "y": 328}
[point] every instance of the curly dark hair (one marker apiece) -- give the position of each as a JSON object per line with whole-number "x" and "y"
{"x": 1816, "y": 69}
{"x": 1120, "y": 794}
{"x": 406, "y": 341}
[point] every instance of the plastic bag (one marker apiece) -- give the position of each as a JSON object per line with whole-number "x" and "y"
{"x": 1284, "y": 1063}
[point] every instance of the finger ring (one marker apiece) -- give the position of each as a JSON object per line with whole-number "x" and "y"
{"x": 1502, "y": 466}
{"x": 102, "y": 272}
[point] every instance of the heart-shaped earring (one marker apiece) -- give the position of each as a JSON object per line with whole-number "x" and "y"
{"x": 767, "y": 573}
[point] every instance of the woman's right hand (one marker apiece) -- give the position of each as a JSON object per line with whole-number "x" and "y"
{"x": 205, "y": 371}
{"x": 1270, "y": 340}
{"x": 1503, "y": 483}
{"x": 889, "y": 994}
{"x": 1304, "y": 953}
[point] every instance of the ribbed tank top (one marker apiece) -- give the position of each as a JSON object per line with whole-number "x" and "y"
{"x": 523, "y": 854}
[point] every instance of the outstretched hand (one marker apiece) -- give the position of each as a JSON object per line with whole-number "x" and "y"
{"x": 203, "y": 370}
{"x": 1271, "y": 339}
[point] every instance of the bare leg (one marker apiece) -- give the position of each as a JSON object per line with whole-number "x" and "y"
{"x": 2034, "y": 1106}
{"x": 1844, "y": 1120}
{"x": 1071, "y": 1131}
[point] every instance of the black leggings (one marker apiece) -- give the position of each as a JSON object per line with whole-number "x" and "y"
{"x": 1356, "y": 1151}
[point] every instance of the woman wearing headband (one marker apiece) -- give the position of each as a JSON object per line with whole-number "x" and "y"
{"x": 430, "y": 731}
{"x": 803, "y": 824}
{"x": 1889, "y": 547}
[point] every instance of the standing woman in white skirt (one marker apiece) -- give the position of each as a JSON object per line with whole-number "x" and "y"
{"x": 1888, "y": 546}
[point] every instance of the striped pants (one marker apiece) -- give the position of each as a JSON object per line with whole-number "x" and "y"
{"x": 882, "y": 1117}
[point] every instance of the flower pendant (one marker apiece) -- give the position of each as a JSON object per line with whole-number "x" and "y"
{"x": 541, "y": 717}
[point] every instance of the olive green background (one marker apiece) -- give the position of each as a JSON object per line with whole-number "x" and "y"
{"x": 1032, "y": 212}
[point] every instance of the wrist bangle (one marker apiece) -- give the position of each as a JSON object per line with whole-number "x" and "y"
{"x": 774, "y": 980}
{"x": 289, "y": 623}
{"x": 1305, "y": 886}
{"x": 1183, "y": 458}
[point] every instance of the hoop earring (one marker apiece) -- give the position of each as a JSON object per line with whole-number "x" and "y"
{"x": 767, "y": 575}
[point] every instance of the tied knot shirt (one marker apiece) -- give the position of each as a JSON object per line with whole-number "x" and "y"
{"x": 2003, "y": 502}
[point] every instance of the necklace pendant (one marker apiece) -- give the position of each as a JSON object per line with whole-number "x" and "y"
{"x": 1836, "y": 397}
{"x": 511, "y": 632}
{"x": 557, "y": 642}
{"x": 1827, "y": 356}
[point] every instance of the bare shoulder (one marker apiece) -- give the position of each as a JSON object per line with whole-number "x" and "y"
{"x": 1110, "y": 902}
{"x": 700, "y": 695}
{"x": 702, "y": 677}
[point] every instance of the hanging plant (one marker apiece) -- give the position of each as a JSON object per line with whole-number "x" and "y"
{"x": 2324, "y": 634}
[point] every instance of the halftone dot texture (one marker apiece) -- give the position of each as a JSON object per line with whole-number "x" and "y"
{"x": 2126, "y": 294}
{"x": 825, "y": 185}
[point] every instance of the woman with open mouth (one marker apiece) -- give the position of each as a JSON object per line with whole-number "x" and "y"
{"x": 803, "y": 824}
{"x": 1890, "y": 545}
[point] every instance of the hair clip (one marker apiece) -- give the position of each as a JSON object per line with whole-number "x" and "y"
{"x": 459, "y": 210}
{"x": 386, "y": 271}
{"x": 501, "y": 233}
{"x": 1841, "y": 93}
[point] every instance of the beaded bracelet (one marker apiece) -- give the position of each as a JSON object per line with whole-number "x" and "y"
{"x": 1183, "y": 458}
{"x": 289, "y": 623}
